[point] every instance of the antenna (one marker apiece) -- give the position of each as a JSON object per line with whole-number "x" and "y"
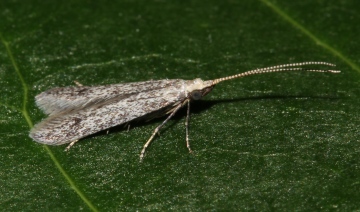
{"x": 280, "y": 68}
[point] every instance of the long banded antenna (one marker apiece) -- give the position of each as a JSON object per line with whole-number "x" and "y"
{"x": 280, "y": 68}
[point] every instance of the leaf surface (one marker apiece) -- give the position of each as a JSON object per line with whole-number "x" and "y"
{"x": 279, "y": 141}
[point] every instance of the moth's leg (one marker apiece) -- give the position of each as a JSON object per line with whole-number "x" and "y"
{"x": 157, "y": 130}
{"x": 70, "y": 145}
{"x": 78, "y": 83}
{"x": 127, "y": 125}
{"x": 187, "y": 126}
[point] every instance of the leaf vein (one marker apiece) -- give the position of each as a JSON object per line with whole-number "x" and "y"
{"x": 25, "y": 113}
{"x": 317, "y": 40}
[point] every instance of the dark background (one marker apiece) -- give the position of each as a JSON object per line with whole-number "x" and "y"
{"x": 280, "y": 141}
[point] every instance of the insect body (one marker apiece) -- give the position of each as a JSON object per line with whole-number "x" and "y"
{"x": 76, "y": 112}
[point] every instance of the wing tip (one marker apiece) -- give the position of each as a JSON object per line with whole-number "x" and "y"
{"x": 42, "y": 135}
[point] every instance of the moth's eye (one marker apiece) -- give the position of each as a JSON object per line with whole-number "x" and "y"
{"x": 196, "y": 95}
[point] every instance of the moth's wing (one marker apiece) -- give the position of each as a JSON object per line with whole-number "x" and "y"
{"x": 59, "y": 100}
{"x": 78, "y": 123}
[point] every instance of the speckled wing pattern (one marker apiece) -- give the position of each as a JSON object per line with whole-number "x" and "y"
{"x": 63, "y": 99}
{"x": 76, "y": 112}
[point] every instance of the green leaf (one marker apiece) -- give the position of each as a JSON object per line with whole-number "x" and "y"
{"x": 280, "y": 141}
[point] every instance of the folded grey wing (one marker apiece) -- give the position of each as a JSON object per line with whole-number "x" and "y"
{"x": 75, "y": 124}
{"x": 58, "y": 100}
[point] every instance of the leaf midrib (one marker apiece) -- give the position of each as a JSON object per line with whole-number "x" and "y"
{"x": 25, "y": 113}
{"x": 24, "y": 107}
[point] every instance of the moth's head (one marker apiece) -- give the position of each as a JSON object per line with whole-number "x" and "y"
{"x": 198, "y": 88}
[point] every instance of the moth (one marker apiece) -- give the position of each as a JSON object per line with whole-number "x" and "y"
{"x": 78, "y": 111}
